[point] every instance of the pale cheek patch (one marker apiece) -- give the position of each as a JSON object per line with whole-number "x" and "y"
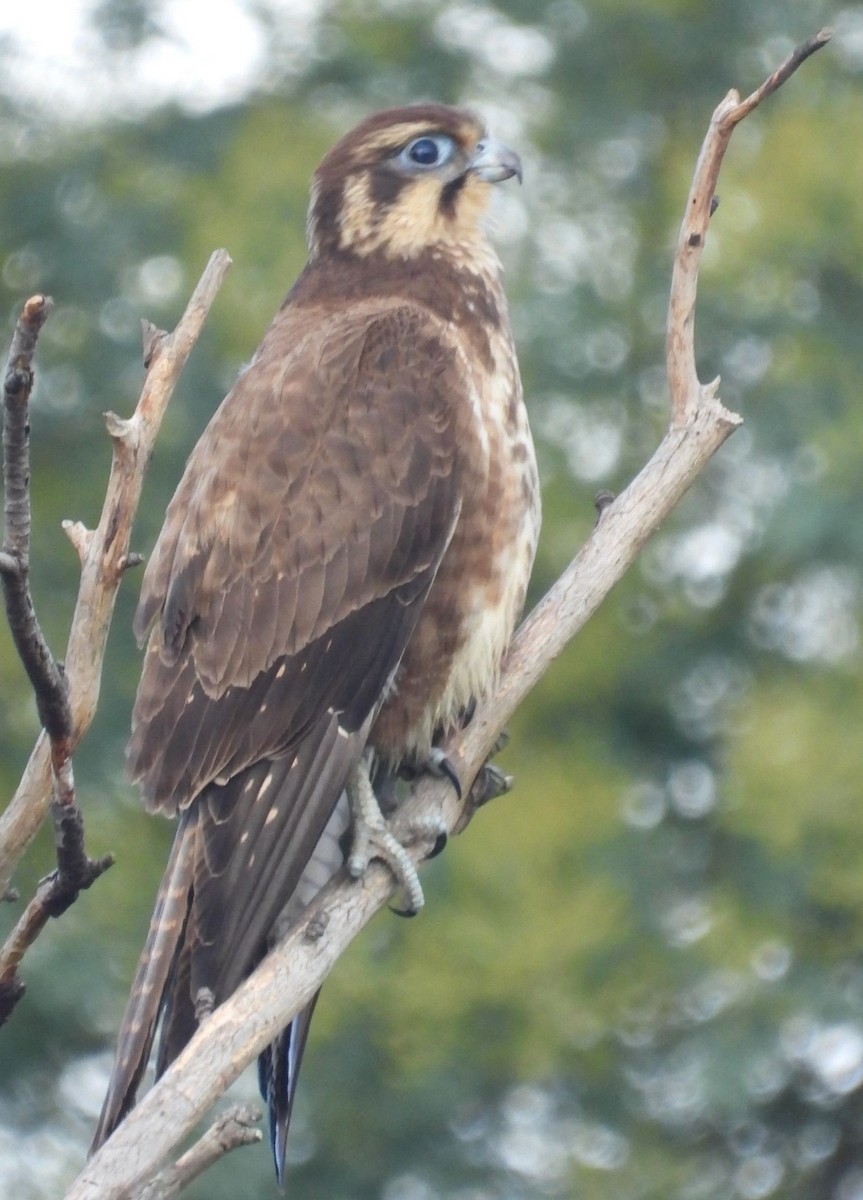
{"x": 415, "y": 221}
{"x": 356, "y": 218}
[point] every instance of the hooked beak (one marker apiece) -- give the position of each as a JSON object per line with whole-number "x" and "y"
{"x": 494, "y": 161}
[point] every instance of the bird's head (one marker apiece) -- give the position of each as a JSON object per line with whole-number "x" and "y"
{"x": 406, "y": 181}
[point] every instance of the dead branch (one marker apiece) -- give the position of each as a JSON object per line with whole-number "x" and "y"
{"x": 236, "y": 1127}
{"x": 104, "y": 554}
{"x": 686, "y": 391}
{"x": 45, "y": 675}
{"x": 67, "y": 700}
{"x": 75, "y": 871}
{"x": 56, "y": 892}
{"x": 236, "y": 1032}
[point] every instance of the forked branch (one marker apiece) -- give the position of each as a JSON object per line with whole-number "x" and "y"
{"x": 236, "y": 1127}
{"x": 66, "y": 699}
{"x": 687, "y": 393}
{"x": 75, "y": 871}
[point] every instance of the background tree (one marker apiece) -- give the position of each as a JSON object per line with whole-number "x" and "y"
{"x": 640, "y": 974}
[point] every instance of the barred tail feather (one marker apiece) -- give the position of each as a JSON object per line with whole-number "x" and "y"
{"x": 151, "y": 982}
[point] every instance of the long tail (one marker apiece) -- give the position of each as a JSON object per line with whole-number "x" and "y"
{"x": 278, "y": 1073}
{"x": 151, "y": 981}
{"x": 279, "y": 1064}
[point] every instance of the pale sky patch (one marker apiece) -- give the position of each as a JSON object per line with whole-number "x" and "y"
{"x": 205, "y": 53}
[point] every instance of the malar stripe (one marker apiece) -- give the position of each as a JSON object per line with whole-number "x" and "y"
{"x": 386, "y": 187}
{"x": 450, "y": 194}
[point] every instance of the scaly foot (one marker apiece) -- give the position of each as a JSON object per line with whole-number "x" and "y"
{"x": 373, "y": 838}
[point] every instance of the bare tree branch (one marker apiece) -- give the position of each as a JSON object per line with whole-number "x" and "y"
{"x": 236, "y": 1127}
{"x": 105, "y": 557}
{"x": 75, "y": 871}
{"x": 244, "y": 1024}
{"x": 66, "y": 701}
{"x": 686, "y": 390}
{"x": 783, "y": 72}
{"x": 45, "y": 675}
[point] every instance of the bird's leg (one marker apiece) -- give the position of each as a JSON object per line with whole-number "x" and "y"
{"x": 438, "y": 765}
{"x": 373, "y": 837}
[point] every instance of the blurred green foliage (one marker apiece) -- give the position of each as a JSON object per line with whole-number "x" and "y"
{"x": 640, "y": 974}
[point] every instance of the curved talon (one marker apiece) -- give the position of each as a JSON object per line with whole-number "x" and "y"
{"x": 439, "y": 765}
{"x": 439, "y": 845}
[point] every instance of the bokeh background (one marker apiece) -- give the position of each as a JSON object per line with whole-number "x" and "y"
{"x": 640, "y": 974}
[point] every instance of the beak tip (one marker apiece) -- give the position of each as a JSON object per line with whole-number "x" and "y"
{"x": 495, "y": 162}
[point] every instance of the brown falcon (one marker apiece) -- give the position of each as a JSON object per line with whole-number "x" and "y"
{"x": 338, "y": 575}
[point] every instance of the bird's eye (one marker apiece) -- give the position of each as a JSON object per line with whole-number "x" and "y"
{"x": 424, "y": 152}
{"x": 431, "y": 150}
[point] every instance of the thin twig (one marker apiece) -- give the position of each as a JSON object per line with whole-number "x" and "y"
{"x": 60, "y": 889}
{"x": 775, "y": 81}
{"x": 686, "y": 390}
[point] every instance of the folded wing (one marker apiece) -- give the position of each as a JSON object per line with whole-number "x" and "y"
{"x": 292, "y": 567}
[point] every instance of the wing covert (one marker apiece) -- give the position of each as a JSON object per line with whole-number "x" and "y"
{"x": 299, "y": 546}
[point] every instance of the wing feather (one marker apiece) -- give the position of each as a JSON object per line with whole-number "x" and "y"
{"x": 356, "y": 499}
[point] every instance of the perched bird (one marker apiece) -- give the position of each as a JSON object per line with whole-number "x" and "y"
{"x": 338, "y": 576}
